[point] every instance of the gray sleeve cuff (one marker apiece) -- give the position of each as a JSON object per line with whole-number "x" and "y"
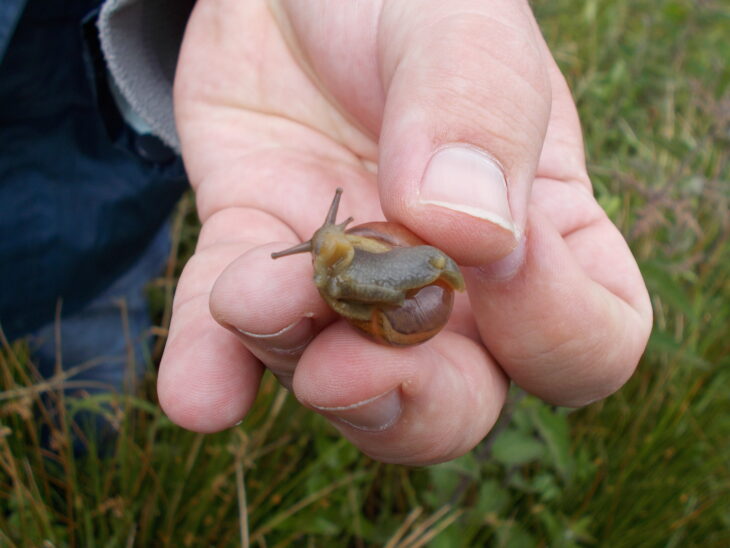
{"x": 140, "y": 40}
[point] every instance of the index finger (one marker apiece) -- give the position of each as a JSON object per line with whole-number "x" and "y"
{"x": 207, "y": 379}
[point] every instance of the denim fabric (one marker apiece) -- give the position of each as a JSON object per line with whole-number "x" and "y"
{"x": 10, "y": 11}
{"x": 82, "y": 196}
{"x": 109, "y": 336}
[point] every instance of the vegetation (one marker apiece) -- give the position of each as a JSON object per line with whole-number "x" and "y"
{"x": 649, "y": 466}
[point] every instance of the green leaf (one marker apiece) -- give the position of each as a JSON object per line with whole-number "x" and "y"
{"x": 661, "y": 283}
{"x": 513, "y": 535}
{"x": 514, "y": 448}
{"x": 677, "y": 12}
{"x": 446, "y": 477}
{"x": 611, "y": 204}
{"x": 546, "y": 486}
{"x": 492, "y": 497}
{"x": 661, "y": 341}
{"x": 553, "y": 428}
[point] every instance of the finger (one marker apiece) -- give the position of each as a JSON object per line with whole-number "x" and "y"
{"x": 417, "y": 405}
{"x": 207, "y": 379}
{"x": 562, "y": 157}
{"x": 571, "y": 325}
{"x": 272, "y": 306}
{"x": 468, "y": 102}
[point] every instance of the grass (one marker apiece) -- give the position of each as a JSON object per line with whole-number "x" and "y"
{"x": 649, "y": 466}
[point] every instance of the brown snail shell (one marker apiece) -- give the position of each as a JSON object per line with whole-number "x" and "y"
{"x": 382, "y": 279}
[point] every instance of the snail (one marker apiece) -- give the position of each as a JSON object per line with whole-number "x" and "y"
{"x": 381, "y": 279}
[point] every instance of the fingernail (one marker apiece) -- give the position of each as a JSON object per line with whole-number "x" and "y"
{"x": 372, "y": 415}
{"x": 506, "y": 268}
{"x": 468, "y": 180}
{"x": 288, "y": 341}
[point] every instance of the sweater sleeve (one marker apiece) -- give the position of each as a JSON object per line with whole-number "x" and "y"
{"x": 140, "y": 40}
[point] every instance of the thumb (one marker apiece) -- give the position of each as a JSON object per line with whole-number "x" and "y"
{"x": 468, "y": 100}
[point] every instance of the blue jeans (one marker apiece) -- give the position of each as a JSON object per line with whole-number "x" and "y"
{"x": 84, "y": 199}
{"x": 110, "y": 337}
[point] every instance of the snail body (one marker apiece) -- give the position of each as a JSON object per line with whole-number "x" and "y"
{"x": 382, "y": 279}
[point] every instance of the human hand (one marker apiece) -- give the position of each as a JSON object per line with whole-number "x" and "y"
{"x": 404, "y": 104}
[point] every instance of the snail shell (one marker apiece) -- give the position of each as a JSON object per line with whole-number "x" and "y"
{"x": 382, "y": 279}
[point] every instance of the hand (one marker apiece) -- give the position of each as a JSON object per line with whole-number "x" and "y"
{"x": 450, "y": 118}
